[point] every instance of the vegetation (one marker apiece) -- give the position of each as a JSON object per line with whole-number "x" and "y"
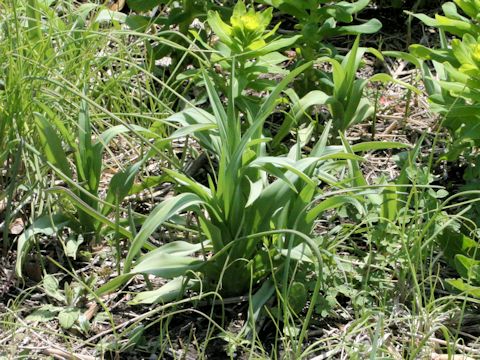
{"x": 262, "y": 179}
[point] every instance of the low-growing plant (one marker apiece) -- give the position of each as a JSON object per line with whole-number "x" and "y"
{"x": 453, "y": 83}
{"x": 452, "y": 87}
{"x": 52, "y": 58}
{"x": 67, "y": 305}
{"x": 294, "y": 232}
{"x": 171, "y": 20}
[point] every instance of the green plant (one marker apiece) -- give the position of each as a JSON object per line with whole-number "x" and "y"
{"x": 452, "y": 85}
{"x": 68, "y": 307}
{"x": 318, "y": 20}
{"x": 29, "y": 54}
{"x": 181, "y": 13}
{"x": 461, "y": 252}
{"x": 341, "y": 92}
{"x": 256, "y": 215}
{"x": 247, "y": 33}
{"x": 51, "y": 62}
{"x": 247, "y": 220}
{"x": 91, "y": 215}
{"x": 254, "y": 48}
{"x": 159, "y": 17}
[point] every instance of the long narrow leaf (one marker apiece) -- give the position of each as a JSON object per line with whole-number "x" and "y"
{"x": 159, "y": 215}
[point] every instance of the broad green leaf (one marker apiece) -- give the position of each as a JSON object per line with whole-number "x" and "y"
{"x": 200, "y": 190}
{"x": 389, "y": 203}
{"x": 450, "y": 10}
{"x": 265, "y": 111}
{"x": 167, "y": 266}
{"x": 385, "y": 78}
{"x": 350, "y": 64}
{"x": 468, "y": 268}
{"x": 427, "y": 20}
{"x": 456, "y": 27}
{"x": 51, "y": 287}
{"x": 138, "y": 23}
{"x": 299, "y": 110}
{"x": 68, "y": 316}
{"x": 255, "y": 191}
{"x": 378, "y": 145}
{"x": 176, "y": 248}
{"x": 120, "y": 186}
{"x": 468, "y": 6}
{"x": 424, "y": 53}
{"x": 282, "y": 163}
{"x": 213, "y": 233}
{"x": 297, "y": 296}
{"x": 222, "y": 30}
{"x": 114, "y": 284}
{"x": 404, "y": 56}
{"x": 198, "y": 117}
{"x": 71, "y": 247}
{"x": 453, "y": 242}
{"x": 370, "y": 27}
{"x": 106, "y": 16}
{"x": 333, "y": 203}
{"x": 459, "y": 284}
{"x": 259, "y": 299}
{"x": 276, "y": 45}
{"x": 192, "y": 129}
{"x": 159, "y": 215}
{"x": 166, "y": 293}
{"x": 44, "y": 314}
{"x": 356, "y": 6}
{"x": 299, "y": 253}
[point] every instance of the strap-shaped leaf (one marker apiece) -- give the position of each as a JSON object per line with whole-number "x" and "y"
{"x": 159, "y": 215}
{"x": 176, "y": 248}
{"x": 167, "y": 265}
{"x": 120, "y": 186}
{"x": 166, "y": 293}
{"x": 88, "y": 210}
{"x": 52, "y": 145}
{"x": 333, "y": 203}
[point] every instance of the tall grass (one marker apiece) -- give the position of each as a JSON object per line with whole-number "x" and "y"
{"x": 50, "y": 63}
